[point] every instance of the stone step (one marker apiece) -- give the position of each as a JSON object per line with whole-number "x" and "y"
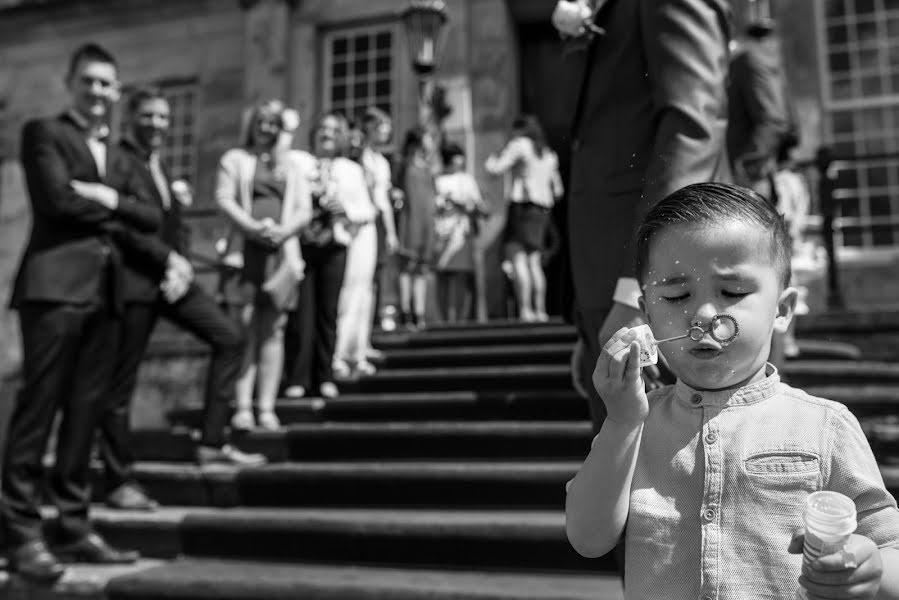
{"x": 396, "y": 483}
{"x": 561, "y": 404}
{"x": 205, "y": 579}
{"x": 421, "y": 440}
{"x": 521, "y": 334}
{"x": 504, "y": 354}
{"x": 559, "y": 353}
{"x": 423, "y": 537}
{"x": 514, "y": 485}
{"x": 449, "y": 440}
{"x": 81, "y": 582}
{"x": 876, "y": 334}
{"x": 555, "y": 376}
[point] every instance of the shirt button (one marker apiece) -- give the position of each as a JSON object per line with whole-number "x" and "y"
{"x": 696, "y": 399}
{"x": 709, "y": 514}
{"x": 711, "y": 438}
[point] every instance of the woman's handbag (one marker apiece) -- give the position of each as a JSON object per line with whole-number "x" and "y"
{"x": 281, "y": 286}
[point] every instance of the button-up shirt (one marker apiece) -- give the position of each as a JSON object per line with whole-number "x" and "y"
{"x": 95, "y": 136}
{"x": 721, "y": 482}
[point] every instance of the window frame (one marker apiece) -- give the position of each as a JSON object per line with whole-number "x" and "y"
{"x": 853, "y": 107}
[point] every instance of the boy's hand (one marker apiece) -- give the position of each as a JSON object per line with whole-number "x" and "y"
{"x": 617, "y": 380}
{"x": 835, "y": 575}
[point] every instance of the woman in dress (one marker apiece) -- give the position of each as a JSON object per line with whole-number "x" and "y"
{"x": 341, "y": 208}
{"x": 261, "y": 188}
{"x": 459, "y": 211}
{"x": 416, "y": 226}
{"x": 533, "y": 185}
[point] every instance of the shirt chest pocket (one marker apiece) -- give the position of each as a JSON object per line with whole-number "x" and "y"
{"x": 783, "y": 471}
{"x": 777, "y": 482}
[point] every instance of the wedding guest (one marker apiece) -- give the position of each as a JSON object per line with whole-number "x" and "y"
{"x": 263, "y": 190}
{"x": 533, "y": 186}
{"x": 356, "y": 302}
{"x": 159, "y": 282}
{"x": 312, "y": 328}
{"x": 378, "y": 128}
{"x": 416, "y": 225}
{"x": 459, "y": 210}
{"x": 650, "y": 118}
{"x": 69, "y": 307}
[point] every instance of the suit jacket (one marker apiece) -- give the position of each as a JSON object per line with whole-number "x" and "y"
{"x": 651, "y": 118}
{"x": 759, "y": 114}
{"x": 146, "y": 255}
{"x": 69, "y": 257}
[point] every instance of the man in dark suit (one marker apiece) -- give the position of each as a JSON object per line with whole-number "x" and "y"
{"x": 759, "y": 112}
{"x": 650, "y": 118}
{"x": 159, "y": 282}
{"x": 68, "y": 295}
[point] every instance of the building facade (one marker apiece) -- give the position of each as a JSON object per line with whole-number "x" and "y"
{"x": 215, "y": 57}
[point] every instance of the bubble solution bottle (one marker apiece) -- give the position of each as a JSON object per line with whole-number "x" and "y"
{"x": 829, "y": 521}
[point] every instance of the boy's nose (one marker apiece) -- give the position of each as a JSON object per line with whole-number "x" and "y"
{"x": 703, "y": 314}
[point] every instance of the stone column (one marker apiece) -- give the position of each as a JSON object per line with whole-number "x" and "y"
{"x": 266, "y": 49}
{"x": 493, "y": 72}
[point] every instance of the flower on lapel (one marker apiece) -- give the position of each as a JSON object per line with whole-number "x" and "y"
{"x": 574, "y": 21}
{"x": 182, "y": 192}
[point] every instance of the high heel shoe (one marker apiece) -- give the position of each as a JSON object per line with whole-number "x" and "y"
{"x": 269, "y": 420}
{"x": 243, "y": 421}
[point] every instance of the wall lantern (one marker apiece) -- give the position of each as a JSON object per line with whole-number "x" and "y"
{"x": 424, "y": 21}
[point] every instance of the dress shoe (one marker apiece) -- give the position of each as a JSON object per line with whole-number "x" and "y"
{"x": 129, "y": 496}
{"x": 93, "y": 549}
{"x": 228, "y": 455}
{"x": 33, "y": 561}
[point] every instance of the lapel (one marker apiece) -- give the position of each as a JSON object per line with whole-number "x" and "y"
{"x": 586, "y": 61}
{"x": 78, "y": 142}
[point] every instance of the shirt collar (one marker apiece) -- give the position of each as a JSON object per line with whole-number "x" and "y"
{"x": 747, "y": 394}
{"x": 98, "y": 132}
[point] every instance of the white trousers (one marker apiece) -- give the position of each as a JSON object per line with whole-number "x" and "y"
{"x": 354, "y": 308}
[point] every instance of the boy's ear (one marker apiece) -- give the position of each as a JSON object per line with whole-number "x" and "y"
{"x": 641, "y": 302}
{"x": 786, "y": 305}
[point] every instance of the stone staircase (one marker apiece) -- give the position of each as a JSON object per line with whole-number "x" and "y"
{"x": 440, "y": 477}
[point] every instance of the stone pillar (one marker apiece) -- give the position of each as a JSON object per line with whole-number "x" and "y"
{"x": 495, "y": 99}
{"x": 266, "y": 49}
{"x": 15, "y": 224}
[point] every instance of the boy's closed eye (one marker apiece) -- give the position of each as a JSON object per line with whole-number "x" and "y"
{"x": 726, "y": 293}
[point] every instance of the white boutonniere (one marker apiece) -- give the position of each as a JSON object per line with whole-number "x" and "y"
{"x": 182, "y": 192}
{"x": 574, "y": 19}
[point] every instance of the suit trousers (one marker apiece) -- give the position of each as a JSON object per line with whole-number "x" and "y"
{"x": 196, "y": 313}
{"x": 68, "y": 357}
{"x": 311, "y": 332}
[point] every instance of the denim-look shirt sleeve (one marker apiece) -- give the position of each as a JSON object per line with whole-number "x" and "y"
{"x": 854, "y": 472}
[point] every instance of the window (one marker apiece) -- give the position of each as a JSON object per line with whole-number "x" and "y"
{"x": 180, "y": 151}
{"x": 359, "y": 69}
{"x": 860, "y": 70}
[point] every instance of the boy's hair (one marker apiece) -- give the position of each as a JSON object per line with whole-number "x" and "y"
{"x": 90, "y": 52}
{"x": 712, "y": 203}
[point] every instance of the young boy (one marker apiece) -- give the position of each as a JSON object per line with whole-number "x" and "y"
{"x": 711, "y": 474}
